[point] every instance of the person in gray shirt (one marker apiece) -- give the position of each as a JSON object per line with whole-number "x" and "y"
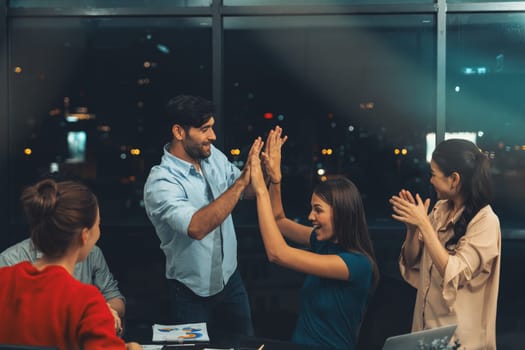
{"x": 94, "y": 270}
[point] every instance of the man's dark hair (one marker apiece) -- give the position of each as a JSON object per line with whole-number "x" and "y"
{"x": 189, "y": 111}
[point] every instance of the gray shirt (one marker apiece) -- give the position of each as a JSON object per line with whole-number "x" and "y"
{"x": 94, "y": 270}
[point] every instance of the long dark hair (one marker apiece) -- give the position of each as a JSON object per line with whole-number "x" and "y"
{"x": 350, "y": 228}
{"x": 57, "y": 212}
{"x": 473, "y": 167}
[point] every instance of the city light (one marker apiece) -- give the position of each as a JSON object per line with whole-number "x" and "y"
{"x": 326, "y": 151}
{"x": 235, "y": 151}
{"x": 134, "y": 152}
{"x": 268, "y": 115}
{"x": 367, "y": 105}
{"x": 28, "y": 151}
{"x": 104, "y": 128}
{"x": 163, "y": 48}
{"x": 18, "y": 70}
{"x": 396, "y": 151}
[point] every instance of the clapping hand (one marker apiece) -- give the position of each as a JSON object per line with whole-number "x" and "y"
{"x": 412, "y": 211}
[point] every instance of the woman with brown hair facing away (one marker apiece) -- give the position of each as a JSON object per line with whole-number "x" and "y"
{"x": 340, "y": 267}
{"x": 42, "y": 304}
{"x": 452, "y": 256}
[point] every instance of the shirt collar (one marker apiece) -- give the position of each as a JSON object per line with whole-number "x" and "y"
{"x": 457, "y": 214}
{"x": 443, "y": 211}
{"x": 182, "y": 165}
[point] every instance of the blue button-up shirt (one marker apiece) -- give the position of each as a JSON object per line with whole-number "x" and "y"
{"x": 173, "y": 192}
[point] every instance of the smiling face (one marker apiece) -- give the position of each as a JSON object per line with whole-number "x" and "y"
{"x": 443, "y": 185}
{"x": 197, "y": 141}
{"x": 322, "y": 218}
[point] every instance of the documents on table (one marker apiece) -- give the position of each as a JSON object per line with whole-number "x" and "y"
{"x": 190, "y": 332}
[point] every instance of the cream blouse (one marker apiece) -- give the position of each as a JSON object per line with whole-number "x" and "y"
{"x": 467, "y": 294}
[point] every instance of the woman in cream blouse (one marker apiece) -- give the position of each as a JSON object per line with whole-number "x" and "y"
{"x": 452, "y": 255}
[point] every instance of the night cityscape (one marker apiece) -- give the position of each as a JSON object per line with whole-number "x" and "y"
{"x": 364, "y": 93}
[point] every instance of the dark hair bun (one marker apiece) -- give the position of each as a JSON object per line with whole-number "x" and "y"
{"x": 40, "y": 200}
{"x": 57, "y": 212}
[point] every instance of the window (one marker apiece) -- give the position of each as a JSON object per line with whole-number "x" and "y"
{"x": 485, "y": 84}
{"x": 355, "y": 94}
{"x": 88, "y": 95}
{"x": 104, "y": 3}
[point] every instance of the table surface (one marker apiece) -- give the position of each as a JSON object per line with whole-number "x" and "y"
{"x": 243, "y": 343}
{"x": 144, "y": 336}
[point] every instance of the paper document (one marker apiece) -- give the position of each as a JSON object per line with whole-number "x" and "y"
{"x": 181, "y": 333}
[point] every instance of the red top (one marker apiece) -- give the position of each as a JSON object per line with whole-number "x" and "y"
{"x": 50, "y": 308}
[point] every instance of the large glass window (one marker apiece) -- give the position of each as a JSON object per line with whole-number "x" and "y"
{"x": 355, "y": 94}
{"x": 314, "y": 2}
{"x": 103, "y": 3}
{"x": 88, "y": 94}
{"x": 485, "y": 84}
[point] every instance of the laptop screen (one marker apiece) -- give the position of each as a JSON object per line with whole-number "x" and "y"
{"x": 413, "y": 341}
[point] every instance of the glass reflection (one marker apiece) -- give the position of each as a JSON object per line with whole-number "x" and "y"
{"x": 347, "y": 90}
{"x": 485, "y": 84}
{"x": 88, "y": 94}
{"x": 104, "y": 3}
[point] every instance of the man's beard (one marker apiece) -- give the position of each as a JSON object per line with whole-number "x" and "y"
{"x": 196, "y": 151}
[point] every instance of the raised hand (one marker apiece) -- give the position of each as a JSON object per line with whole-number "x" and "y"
{"x": 254, "y": 163}
{"x": 407, "y": 196}
{"x": 412, "y": 211}
{"x": 272, "y": 154}
{"x": 246, "y": 170}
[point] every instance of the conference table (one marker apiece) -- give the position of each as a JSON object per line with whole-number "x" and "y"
{"x": 244, "y": 343}
{"x": 144, "y": 337}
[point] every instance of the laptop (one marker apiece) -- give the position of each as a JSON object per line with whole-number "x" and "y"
{"x": 411, "y": 341}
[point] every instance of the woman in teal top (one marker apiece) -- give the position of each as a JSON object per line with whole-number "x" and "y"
{"x": 340, "y": 264}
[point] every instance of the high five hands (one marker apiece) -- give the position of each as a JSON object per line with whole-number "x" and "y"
{"x": 271, "y": 158}
{"x": 272, "y": 154}
{"x": 254, "y": 163}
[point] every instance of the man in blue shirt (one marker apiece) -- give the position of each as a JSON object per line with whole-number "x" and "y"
{"x": 189, "y": 198}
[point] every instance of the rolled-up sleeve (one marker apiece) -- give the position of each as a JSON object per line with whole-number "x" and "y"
{"x": 474, "y": 255}
{"x": 410, "y": 274}
{"x": 167, "y": 203}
